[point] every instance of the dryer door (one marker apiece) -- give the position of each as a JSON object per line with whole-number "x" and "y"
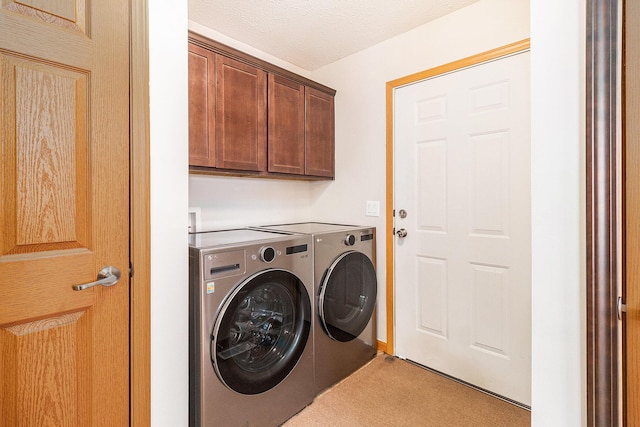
{"x": 261, "y": 331}
{"x": 347, "y": 296}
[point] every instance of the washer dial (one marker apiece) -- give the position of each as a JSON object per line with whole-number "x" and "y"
{"x": 267, "y": 254}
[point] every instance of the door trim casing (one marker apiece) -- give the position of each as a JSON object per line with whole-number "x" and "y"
{"x": 490, "y": 55}
{"x": 140, "y": 232}
{"x": 630, "y": 129}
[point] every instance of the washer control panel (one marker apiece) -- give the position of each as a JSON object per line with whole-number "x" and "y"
{"x": 223, "y": 264}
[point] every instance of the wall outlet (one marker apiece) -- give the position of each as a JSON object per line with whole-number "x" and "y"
{"x": 373, "y": 208}
{"x": 194, "y": 220}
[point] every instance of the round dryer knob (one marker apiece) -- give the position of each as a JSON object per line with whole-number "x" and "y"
{"x": 267, "y": 254}
{"x": 349, "y": 240}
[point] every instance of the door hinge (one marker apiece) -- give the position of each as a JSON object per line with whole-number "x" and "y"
{"x": 130, "y": 269}
{"x": 620, "y": 308}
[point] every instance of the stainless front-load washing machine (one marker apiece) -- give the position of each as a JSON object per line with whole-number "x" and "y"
{"x": 345, "y": 290}
{"x": 250, "y": 327}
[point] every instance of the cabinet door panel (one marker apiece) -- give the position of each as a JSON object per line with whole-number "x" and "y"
{"x": 286, "y": 126}
{"x": 201, "y": 107}
{"x": 319, "y": 133}
{"x": 241, "y": 116}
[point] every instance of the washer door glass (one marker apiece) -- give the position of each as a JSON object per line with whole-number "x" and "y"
{"x": 261, "y": 331}
{"x": 348, "y": 296}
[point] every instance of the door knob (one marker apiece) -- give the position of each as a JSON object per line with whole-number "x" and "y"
{"x": 108, "y": 276}
{"x": 402, "y": 233}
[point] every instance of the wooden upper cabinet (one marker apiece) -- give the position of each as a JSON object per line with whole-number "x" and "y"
{"x": 201, "y": 107}
{"x": 241, "y": 116}
{"x": 249, "y": 117}
{"x": 319, "y": 133}
{"x": 286, "y": 126}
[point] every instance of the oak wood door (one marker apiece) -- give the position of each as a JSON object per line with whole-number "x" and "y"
{"x": 64, "y": 212}
{"x": 319, "y": 133}
{"x": 632, "y": 212}
{"x": 202, "y": 103}
{"x": 241, "y": 115}
{"x": 286, "y": 126}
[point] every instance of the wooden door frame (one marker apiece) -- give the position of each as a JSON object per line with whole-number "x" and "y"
{"x": 603, "y": 397}
{"x": 510, "y": 49}
{"x": 631, "y": 210}
{"x": 140, "y": 231}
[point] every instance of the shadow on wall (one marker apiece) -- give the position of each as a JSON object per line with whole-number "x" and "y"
{"x": 230, "y": 202}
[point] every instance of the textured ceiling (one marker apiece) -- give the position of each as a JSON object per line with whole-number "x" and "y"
{"x": 313, "y": 33}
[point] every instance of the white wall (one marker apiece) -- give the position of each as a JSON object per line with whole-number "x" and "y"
{"x": 361, "y": 107}
{"x": 169, "y": 129}
{"x": 226, "y": 203}
{"x": 558, "y": 203}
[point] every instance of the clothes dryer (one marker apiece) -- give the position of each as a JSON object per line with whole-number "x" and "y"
{"x": 345, "y": 291}
{"x": 251, "y": 352}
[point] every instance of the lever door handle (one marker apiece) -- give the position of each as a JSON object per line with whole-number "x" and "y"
{"x": 620, "y": 308}
{"x": 108, "y": 276}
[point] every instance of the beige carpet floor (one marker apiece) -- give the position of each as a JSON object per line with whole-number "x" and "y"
{"x": 392, "y": 392}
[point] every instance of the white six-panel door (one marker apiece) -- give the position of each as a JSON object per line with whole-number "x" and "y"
{"x": 462, "y": 273}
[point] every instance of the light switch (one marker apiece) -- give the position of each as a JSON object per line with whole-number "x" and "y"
{"x": 373, "y": 208}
